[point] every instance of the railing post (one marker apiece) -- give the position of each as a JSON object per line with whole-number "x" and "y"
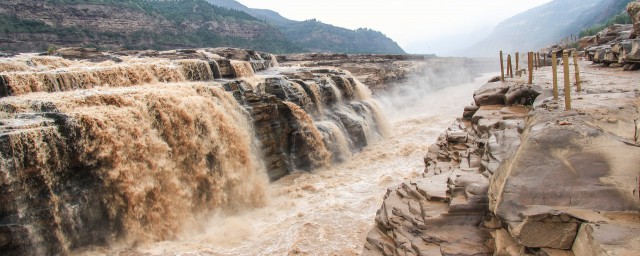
{"x": 530, "y": 63}
{"x": 577, "y": 69}
{"x": 509, "y": 66}
{"x": 517, "y": 61}
{"x": 501, "y": 67}
{"x": 567, "y": 85}
{"x": 554, "y": 65}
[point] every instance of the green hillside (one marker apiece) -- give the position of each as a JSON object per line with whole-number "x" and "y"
{"x": 35, "y": 25}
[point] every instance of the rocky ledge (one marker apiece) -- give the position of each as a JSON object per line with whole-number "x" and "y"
{"x": 618, "y": 45}
{"x": 519, "y": 175}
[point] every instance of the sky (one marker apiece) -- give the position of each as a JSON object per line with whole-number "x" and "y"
{"x": 443, "y": 27}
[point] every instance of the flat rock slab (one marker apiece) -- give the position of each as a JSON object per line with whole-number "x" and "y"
{"x": 607, "y": 239}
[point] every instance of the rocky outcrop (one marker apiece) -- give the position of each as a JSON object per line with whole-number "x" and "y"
{"x": 94, "y": 152}
{"x": 613, "y": 47}
{"x": 519, "y": 180}
{"x": 634, "y": 12}
{"x": 616, "y": 45}
{"x": 445, "y": 212}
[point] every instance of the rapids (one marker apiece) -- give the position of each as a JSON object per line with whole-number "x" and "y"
{"x": 328, "y": 211}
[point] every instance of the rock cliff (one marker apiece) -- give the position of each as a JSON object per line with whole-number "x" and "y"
{"x": 512, "y": 179}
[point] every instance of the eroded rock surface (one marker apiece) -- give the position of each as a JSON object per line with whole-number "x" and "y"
{"x": 526, "y": 180}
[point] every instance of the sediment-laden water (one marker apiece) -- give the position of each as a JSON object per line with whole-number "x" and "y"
{"x": 162, "y": 156}
{"x": 328, "y": 211}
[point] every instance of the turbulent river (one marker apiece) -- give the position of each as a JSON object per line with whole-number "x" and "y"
{"x": 328, "y": 211}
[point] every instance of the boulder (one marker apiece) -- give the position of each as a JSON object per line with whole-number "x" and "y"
{"x": 634, "y": 11}
{"x": 633, "y": 53}
{"x": 491, "y": 94}
{"x": 522, "y": 95}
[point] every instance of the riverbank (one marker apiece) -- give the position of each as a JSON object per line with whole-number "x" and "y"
{"x": 534, "y": 179}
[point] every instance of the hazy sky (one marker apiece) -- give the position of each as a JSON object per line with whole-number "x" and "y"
{"x": 419, "y": 26}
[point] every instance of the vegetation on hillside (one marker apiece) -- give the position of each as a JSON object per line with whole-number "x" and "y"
{"x": 177, "y": 12}
{"x": 622, "y": 18}
{"x": 317, "y": 36}
{"x": 194, "y": 23}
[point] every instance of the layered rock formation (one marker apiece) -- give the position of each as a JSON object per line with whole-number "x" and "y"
{"x": 135, "y": 146}
{"x": 613, "y": 47}
{"x": 616, "y": 45}
{"x": 525, "y": 180}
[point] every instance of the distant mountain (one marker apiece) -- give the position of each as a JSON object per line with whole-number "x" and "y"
{"x": 267, "y": 15}
{"x": 35, "y": 25}
{"x": 546, "y": 24}
{"x": 316, "y": 36}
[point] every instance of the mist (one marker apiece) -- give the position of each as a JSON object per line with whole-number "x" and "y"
{"x": 434, "y": 90}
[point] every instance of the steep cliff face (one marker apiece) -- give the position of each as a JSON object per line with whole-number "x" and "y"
{"x": 33, "y": 25}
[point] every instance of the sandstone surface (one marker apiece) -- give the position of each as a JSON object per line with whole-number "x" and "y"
{"x": 526, "y": 179}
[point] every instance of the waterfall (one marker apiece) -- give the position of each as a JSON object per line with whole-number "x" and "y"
{"x": 145, "y": 161}
{"x": 315, "y": 149}
{"x": 94, "y": 153}
{"x": 53, "y": 78}
{"x": 242, "y": 68}
{"x": 337, "y": 138}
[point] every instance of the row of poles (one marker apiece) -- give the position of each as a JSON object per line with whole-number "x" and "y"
{"x": 534, "y": 61}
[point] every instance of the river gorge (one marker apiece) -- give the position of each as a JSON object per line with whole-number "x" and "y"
{"x": 128, "y": 149}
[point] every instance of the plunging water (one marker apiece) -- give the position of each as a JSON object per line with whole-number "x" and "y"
{"x": 134, "y": 153}
{"x": 329, "y": 211}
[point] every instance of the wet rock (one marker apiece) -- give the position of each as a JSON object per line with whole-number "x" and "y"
{"x": 469, "y": 111}
{"x": 491, "y": 94}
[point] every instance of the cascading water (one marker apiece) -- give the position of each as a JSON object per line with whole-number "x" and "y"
{"x": 315, "y": 148}
{"x": 134, "y": 152}
{"x": 157, "y": 157}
